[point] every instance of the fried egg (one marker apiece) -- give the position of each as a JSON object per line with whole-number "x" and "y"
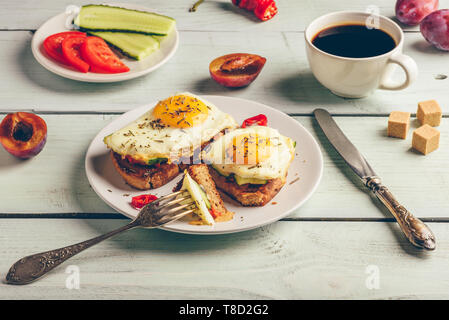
{"x": 172, "y": 130}
{"x": 255, "y": 152}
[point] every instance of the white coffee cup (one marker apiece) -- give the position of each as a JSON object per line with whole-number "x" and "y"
{"x": 358, "y": 77}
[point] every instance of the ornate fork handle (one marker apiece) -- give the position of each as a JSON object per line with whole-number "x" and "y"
{"x": 414, "y": 229}
{"x": 35, "y": 266}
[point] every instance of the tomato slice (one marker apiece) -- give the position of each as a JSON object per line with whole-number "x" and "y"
{"x": 101, "y": 58}
{"x": 52, "y": 44}
{"x": 71, "y": 51}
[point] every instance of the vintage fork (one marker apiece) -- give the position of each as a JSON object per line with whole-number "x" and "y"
{"x": 155, "y": 214}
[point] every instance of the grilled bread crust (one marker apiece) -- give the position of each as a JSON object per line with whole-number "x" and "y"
{"x": 144, "y": 177}
{"x": 248, "y": 195}
{"x": 201, "y": 174}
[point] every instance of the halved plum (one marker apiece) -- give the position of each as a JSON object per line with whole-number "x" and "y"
{"x": 23, "y": 134}
{"x": 236, "y": 69}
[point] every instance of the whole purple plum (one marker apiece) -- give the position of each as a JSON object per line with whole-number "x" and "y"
{"x": 435, "y": 29}
{"x": 412, "y": 12}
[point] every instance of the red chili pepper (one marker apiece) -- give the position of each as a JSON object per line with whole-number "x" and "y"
{"x": 260, "y": 120}
{"x": 263, "y": 9}
{"x": 266, "y": 10}
{"x": 139, "y": 202}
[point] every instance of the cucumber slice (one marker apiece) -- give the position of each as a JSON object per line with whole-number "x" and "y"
{"x": 159, "y": 38}
{"x": 219, "y": 172}
{"x": 156, "y": 160}
{"x": 204, "y": 195}
{"x": 109, "y": 18}
{"x": 199, "y": 197}
{"x": 241, "y": 180}
{"x": 134, "y": 45}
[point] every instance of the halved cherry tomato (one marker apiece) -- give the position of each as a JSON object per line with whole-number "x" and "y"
{"x": 260, "y": 120}
{"x": 71, "y": 51}
{"x": 52, "y": 44}
{"x": 236, "y": 69}
{"x": 139, "y": 202}
{"x": 100, "y": 57}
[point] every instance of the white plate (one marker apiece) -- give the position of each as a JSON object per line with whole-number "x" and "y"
{"x": 307, "y": 165}
{"x": 137, "y": 68}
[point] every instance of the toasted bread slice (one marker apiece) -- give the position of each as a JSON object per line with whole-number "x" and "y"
{"x": 144, "y": 177}
{"x": 248, "y": 194}
{"x": 202, "y": 175}
{"x": 150, "y": 177}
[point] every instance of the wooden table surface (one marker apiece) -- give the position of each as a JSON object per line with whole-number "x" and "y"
{"x": 332, "y": 247}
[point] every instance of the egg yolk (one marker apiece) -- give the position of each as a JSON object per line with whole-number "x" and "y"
{"x": 181, "y": 111}
{"x": 249, "y": 149}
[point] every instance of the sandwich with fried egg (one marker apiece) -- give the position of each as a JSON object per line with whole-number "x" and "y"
{"x": 150, "y": 151}
{"x": 250, "y": 164}
{"x": 209, "y": 205}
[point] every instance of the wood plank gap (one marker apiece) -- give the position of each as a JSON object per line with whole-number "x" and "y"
{"x": 354, "y": 115}
{"x": 440, "y": 220}
{"x": 82, "y": 215}
{"x": 43, "y": 112}
{"x": 18, "y": 29}
{"x": 68, "y": 215}
{"x": 294, "y": 114}
{"x": 192, "y": 30}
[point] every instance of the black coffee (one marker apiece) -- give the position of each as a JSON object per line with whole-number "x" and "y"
{"x": 354, "y": 41}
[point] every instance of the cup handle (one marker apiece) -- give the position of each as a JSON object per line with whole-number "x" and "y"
{"x": 410, "y": 68}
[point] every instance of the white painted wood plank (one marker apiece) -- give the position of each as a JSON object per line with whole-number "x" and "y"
{"x": 286, "y": 82}
{"x": 212, "y": 15}
{"x": 286, "y": 260}
{"x": 55, "y": 182}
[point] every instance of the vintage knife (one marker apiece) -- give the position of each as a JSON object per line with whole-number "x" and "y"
{"x": 415, "y": 230}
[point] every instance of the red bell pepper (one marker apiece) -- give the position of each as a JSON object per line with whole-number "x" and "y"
{"x": 260, "y": 120}
{"x": 139, "y": 202}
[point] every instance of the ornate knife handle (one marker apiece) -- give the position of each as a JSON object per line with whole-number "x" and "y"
{"x": 35, "y": 266}
{"x": 414, "y": 229}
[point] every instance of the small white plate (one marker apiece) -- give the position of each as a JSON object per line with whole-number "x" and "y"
{"x": 137, "y": 68}
{"x": 307, "y": 166}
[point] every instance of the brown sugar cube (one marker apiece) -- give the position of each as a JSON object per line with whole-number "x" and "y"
{"x": 429, "y": 112}
{"x": 398, "y": 124}
{"x": 426, "y": 139}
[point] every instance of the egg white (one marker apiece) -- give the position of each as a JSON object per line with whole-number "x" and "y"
{"x": 275, "y": 166}
{"x": 143, "y": 142}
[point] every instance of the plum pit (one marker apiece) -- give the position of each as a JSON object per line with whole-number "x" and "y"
{"x": 23, "y": 134}
{"x": 23, "y": 131}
